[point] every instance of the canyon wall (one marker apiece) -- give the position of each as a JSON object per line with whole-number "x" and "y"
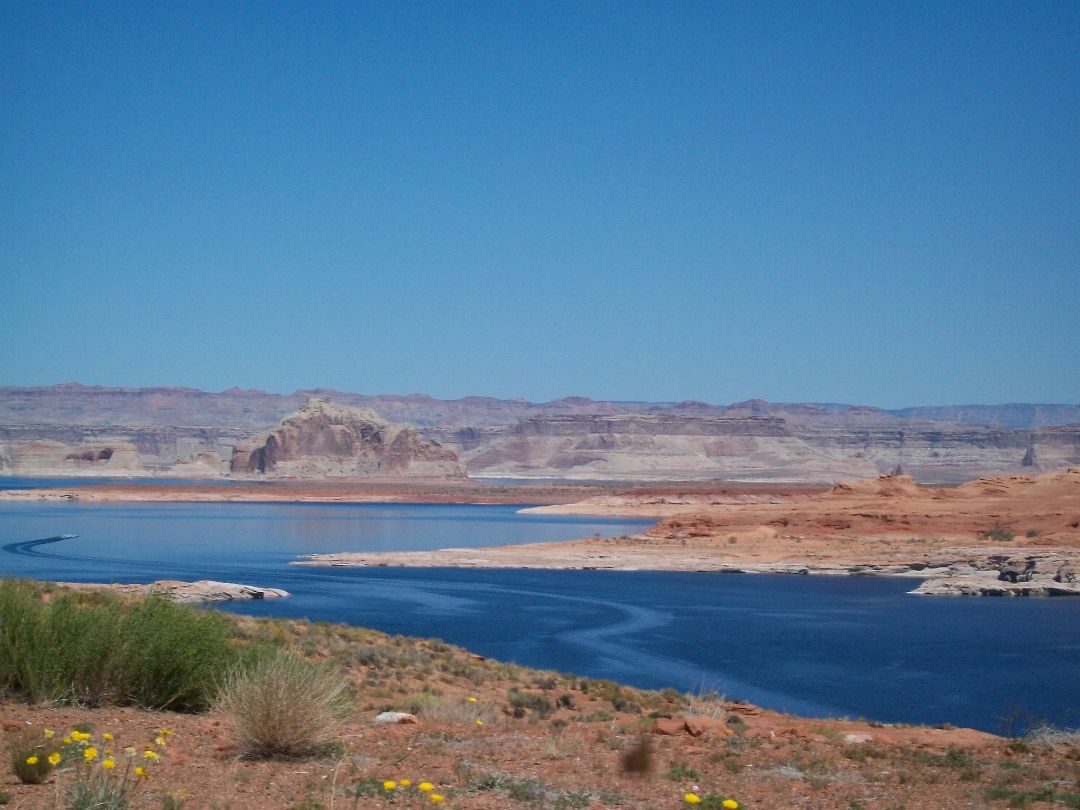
{"x": 75, "y": 430}
{"x": 752, "y": 448}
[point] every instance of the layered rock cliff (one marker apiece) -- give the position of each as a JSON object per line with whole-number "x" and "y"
{"x": 326, "y": 440}
{"x": 659, "y": 446}
{"x": 82, "y": 430}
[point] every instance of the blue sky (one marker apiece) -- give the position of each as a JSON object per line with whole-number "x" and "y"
{"x": 859, "y": 202}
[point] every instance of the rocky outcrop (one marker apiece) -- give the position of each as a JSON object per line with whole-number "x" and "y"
{"x": 327, "y": 440}
{"x": 1037, "y": 573}
{"x": 191, "y": 593}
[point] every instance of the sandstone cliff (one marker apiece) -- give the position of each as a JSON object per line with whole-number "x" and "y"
{"x": 665, "y": 446}
{"x": 77, "y": 430}
{"x": 326, "y": 440}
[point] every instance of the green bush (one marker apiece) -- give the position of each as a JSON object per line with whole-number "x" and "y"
{"x": 282, "y": 706}
{"x": 174, "y": 656}
{"x": 93, "y": 649}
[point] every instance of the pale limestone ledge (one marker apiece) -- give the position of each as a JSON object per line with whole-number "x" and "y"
{"x": 191, "y": 593}
{"x": 945, "y": 579}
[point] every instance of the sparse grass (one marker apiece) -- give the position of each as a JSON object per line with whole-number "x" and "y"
{"x": 707, "y": 704}
{"x": 530, "y": 792}
{"x": 1052, "y": 737}
{"x": 282, "y": 706}
{"x": 1024, "y": 798}
{"x": 682, "y": 772}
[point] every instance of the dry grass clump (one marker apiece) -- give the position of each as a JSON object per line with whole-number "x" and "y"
{"x": 282, "y": 706}
{"x": 710, "y": 704}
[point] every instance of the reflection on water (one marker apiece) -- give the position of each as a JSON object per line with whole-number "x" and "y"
{"x": 856, "y": 646}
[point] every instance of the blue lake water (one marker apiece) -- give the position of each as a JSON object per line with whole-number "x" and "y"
{"x": 819, "y": 646}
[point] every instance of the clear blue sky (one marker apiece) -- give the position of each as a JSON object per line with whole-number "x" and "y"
{"x": 860, "y": 202}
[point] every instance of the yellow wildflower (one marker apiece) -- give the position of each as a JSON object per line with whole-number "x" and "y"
{"x": 67, "y": 740}
{"x": 437, "y": 797}
{"x": 730, "y": 804}
{"x": 427, "y": 787}
{"x": 54, "y": 758}
{"x": 108, "y": 764}
{"x": 31, "y": 760}
{"x": 49, "y": 733}
{"x": 140, "y": 771}
{"x": 106, "y": 736}
{"x": 159, "y": 740}
{"x": 90, "y": 754}
{"x": 148, "y": 754}
{"x": 404, "y": 782}
{"x": 129, "y": 751}
{"x": 164, "y": 732}
{"x": 389, "y": 784}
{"x": 691, "y": 798}
{"x": 472, "y": 700}
{"x": 479, "y": 722}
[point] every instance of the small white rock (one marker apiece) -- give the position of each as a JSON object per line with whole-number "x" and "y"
{"x": 396, "y": 718}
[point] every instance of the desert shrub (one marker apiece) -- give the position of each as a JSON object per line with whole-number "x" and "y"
{"x": 173, "y": 656}
{"x": 282, "y": 706}
{"x": 29, "y": 750}
{"x": 540, "y": 704}
{"x": 999, "y": 532}
{"x": 93, "y": 648}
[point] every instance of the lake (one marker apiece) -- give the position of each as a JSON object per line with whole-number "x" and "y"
{"x": 816, "y": 646}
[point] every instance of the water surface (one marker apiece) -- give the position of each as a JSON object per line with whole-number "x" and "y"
{"x": 819, "y": 646}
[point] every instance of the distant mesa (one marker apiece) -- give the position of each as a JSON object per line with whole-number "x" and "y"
{"x": 327, "y": 440}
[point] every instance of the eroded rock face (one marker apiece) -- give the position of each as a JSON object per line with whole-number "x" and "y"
{"x": 115, "y": 456}
{"x": 326, "y": 440}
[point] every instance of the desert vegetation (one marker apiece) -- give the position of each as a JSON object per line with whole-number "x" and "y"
{"x": 281, "y": 714}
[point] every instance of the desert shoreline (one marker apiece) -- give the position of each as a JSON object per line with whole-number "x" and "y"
{"x": 1008, "y": 536}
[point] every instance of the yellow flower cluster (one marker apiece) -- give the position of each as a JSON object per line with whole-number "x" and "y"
{"x": 81, "y": 741}
{"x": 425, "y": 789}
{"x": 727, "y": 804}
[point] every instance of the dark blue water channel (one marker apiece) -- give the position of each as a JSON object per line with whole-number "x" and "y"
{"x": 819, "y": 646}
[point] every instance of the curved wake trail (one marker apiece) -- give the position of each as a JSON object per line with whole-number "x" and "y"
{"x": 28, "y": 548}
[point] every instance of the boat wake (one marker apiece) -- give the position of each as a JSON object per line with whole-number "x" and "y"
{"x": 28, "y": 548}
